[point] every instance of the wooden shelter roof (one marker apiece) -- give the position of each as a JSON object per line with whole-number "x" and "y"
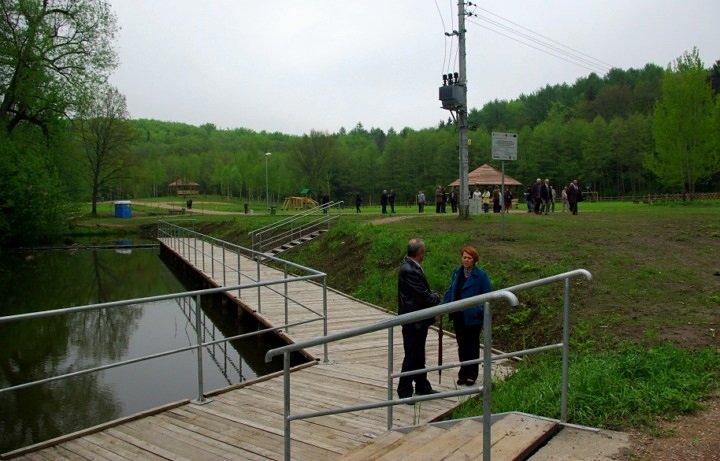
{"x": 485, "y": 175}
{"x": 180, "y": 183}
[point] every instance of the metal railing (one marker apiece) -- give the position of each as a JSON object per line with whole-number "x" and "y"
{"x": 224, "y": 263}
{"x": 508, "y": 294}
{"x": 218, "y": 352}
{"x": 177, "y": 237}
{"x": 294, "y": 227}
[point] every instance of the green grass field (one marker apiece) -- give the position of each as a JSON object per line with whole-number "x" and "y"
{"x": 645, "y": 330}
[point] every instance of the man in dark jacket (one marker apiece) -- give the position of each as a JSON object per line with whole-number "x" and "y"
{"x": 574, "y": 195}
{"x": 414, "y": 294}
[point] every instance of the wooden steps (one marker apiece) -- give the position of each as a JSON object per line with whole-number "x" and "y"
{"x": 513, "y": 437}
{"x": 292, "y": 244}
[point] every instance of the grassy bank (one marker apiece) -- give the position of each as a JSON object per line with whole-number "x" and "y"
{"x": 655, "y": 269}
{"x": 644, "y": 331}
{"x": 645, "y": 336}
{"x": 631, "y": 386}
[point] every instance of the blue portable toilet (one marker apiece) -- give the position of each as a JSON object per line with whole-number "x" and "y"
{"x": 122, "y": 209}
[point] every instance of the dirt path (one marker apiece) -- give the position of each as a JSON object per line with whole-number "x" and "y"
{"x": 196, "y": 210}
{"x": 687, "y": 438}
{"x": 391, "y": 219}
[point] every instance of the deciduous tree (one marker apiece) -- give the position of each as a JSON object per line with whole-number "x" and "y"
{"x": 312, "y": 158}
{"x": 105, "y": 136}
{"x": 52, "y": 52}
{"x": 683, "y": 126}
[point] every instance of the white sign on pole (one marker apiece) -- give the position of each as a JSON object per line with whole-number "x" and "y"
{"x": 504, "y": 146}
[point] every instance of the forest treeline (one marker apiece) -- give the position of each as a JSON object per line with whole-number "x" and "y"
{"x": 598, "y": 130}
{"x": 66, "y": 136}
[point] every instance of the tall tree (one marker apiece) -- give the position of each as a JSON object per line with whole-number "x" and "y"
{"x": 52, "y": 52}
{"x": 105, "y": 137}
{"x": 312, "y": 157}
{"x": 683, "y": 126}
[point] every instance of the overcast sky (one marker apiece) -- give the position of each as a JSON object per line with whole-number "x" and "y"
{"x": 299, "y": 65}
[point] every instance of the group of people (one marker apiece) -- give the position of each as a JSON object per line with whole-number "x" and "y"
{"x": 387, "y": 198}
{"x": 442, "y": 198}
{"x": 541, "y": 196}
{"x": 501, "y": 201}
{"x": 414, "y": 294}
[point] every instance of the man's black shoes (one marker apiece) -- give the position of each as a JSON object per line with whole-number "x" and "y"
{"x": 429, "y": 392}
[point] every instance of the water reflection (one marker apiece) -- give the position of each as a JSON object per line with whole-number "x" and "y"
{"x": 40, "y": 348}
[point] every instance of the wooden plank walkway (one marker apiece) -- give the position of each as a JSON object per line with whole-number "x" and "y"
{"x": 246, "y": 422}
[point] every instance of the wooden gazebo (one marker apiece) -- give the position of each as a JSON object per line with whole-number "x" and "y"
{"x": 184, "y": 187}
{"x": 486, "y": 175}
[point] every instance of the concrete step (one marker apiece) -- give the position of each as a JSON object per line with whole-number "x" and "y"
{"x": 582, "y": 443}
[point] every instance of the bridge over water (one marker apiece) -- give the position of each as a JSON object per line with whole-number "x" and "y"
{"x": 250, "y": 420}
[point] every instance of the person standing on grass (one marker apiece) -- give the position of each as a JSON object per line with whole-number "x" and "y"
{"x": 391, "y": 200}
{"x": 507, "y": 200}
{"x": 497, "y": 200}
{"x": 421, "y": 201}
{"x": 358, "y": 202}
{"x": 545, "y": 196}
{"x": 325, "y": 201}
{"x": 486, "y": 200}
{"x": 574, "y": 196}
{"x": 439, "y": 199}
{"x": 384, "y": 201}
{"x": 414, "y": 294}
{"x": 468, "y": 281}
{"x": 537, "y": 196}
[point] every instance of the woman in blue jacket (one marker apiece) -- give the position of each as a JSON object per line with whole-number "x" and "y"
{"x": 467, "y": 281}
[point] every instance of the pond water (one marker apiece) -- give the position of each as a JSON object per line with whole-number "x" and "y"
{"x": 41, "y": 348}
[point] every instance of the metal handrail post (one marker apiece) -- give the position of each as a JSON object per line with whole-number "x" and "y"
{"x": 287, "y": 307}
{"x": 487, "y": 382}
{"x": 389, "y": 377}
{"x": 565, "y": 353}
{"x": 198, "y": 331}
{"x": 286, "y": 404}
{"x": 202, "y": 254}
{"x": 212, "y": 260}
{"x": 239, "y": 273}
{"x": 224, "y": 265}
{"x": 325, "y": 318}
{"x": 257, "y": 259}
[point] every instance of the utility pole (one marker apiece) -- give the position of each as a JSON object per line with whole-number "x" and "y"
{"x": 462, "y": 117}
{"x": 453, "y": 95}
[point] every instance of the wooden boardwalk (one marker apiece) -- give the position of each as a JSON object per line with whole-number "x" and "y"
{"x": 246, "y": 422}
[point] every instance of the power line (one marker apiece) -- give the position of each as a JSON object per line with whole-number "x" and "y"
{"x": 544, "y": 44}
{"x": 447, "y": 63}
{"x": 567, "y": 58}
{"x": 452, "y": 38}
{"x": 606, "y": 64}
{"x": 444, "y": 30}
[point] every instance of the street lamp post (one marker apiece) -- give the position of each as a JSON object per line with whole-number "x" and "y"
{"x": 267, "y": 184}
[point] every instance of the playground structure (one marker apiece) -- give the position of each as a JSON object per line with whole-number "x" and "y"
{"x": 299, "y": 203}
